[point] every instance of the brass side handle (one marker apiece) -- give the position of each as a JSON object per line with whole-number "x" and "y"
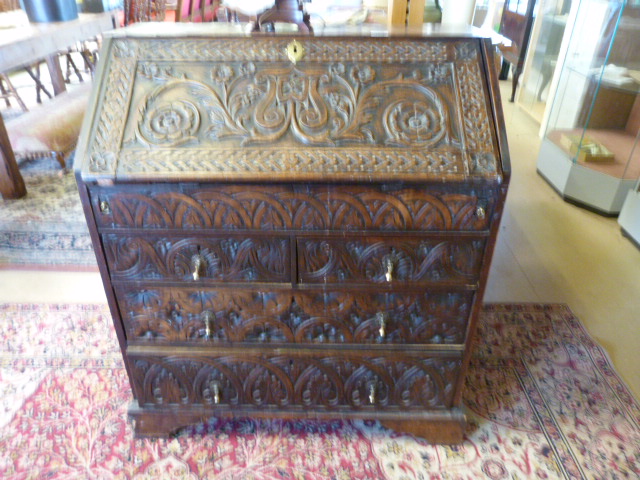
{"x": 207, "y": 318}
{"x": 197, "y": 266}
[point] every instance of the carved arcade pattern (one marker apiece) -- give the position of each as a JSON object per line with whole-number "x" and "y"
{"x": 205, "y": 258}
{"x": 388, "y": 261}
{"x": 281, "y": 316}
{"x": 320, "y": 381}
{"x": 352, "y": 208}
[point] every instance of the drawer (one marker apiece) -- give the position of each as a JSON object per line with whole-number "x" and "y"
{"x": 439, "y": 207}
{"x": 198, "y": 258}
{"x": 223, "y": 316}
{"x": 294, "y": 379}
{"x": 391, "y": 261}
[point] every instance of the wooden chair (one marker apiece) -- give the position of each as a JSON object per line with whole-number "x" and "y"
{"x": 144, "y": 11}
{"x": 284, "y": 11}
{"x": 196, "y": 10}
{"x": 516, "y": 27}
{"x": 8, "y": 92}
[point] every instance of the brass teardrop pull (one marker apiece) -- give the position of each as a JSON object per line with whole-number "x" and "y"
{"x": 388, "y": 267}
{"x": 295, "y": 51}
{"x": 207, "y": 317}
{"x": 197, "y": 265}
{"x": 372, "y": 394}
{"x": 383, "y": 324}
{"x": 216, "y": 393}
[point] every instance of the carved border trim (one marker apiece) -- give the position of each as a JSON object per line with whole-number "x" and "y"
{"x": 269, "y": 161}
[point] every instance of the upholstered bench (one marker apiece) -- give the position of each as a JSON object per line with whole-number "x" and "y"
{"x": 50, "y": 129}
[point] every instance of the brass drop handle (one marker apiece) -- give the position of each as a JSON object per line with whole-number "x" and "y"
{"x": 382, "y": 321}
{"x": 388, "y": 267}
{"x": 480, "y": 212}
{"x": 207, "y": 317}
{"x": 197, "y": 265}
{"x": 372, "y": 394}
{"x": 216, "y": 393}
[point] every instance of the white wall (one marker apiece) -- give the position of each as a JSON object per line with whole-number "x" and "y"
{"x": 457, "y": 12}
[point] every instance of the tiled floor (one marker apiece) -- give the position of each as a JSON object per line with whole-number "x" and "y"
{"x": 548, "y": 251}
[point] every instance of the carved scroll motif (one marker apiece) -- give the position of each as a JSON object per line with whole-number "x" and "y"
{"x": 222, "y": 259}
{"x": 342, "y": 104}
{"x": 340, "y": 261}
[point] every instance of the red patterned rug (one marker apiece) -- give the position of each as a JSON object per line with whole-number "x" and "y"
{"x": 543, "y": 402}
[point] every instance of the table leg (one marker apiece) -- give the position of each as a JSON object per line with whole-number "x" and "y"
{"x": 11, "y": 182}
{"x": 57, "y": 79}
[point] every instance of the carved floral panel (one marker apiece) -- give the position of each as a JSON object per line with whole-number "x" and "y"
{"x": 321, "y": 381}
{"x": 350, "y": 108}
{"x": 282, "y": 316}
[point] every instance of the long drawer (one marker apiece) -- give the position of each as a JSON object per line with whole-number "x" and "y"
{"x": 433, "y": 207}
{"x": 294, "y": 379}
{"x": 218, "y": 316}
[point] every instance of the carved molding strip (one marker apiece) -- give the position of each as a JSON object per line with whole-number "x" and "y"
{"x": 197, "y": 162}
{"x": 274, "y": 49}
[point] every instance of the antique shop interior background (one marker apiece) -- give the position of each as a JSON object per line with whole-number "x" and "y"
{"x": 571, "y": 228}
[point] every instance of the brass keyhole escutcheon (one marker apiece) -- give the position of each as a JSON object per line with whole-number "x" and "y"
{"x": 295, "y": 51}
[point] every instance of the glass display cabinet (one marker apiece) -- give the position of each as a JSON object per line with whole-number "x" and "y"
{"x": 544, "y": 50}
{"x": 629, "y": 218}
{"x": 589, "y": 152}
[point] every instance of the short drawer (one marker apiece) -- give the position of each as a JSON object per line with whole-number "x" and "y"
{"x": 337, "y": 381}
{"x": 284, "y": 316}
{"x": 198, "y": 258}
{"x": 438, "y": 207}
{"x": 391, "y": 261}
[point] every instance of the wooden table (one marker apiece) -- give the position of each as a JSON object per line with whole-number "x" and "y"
{"x": 23, "y": 43}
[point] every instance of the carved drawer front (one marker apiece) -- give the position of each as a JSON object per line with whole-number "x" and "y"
{"x": 314, "y": 207}
{"x": 325, "y": 381}
{"x": 223, "y": 316}
{"x": 389, "y": 261}
{"x": 198, "y": 259}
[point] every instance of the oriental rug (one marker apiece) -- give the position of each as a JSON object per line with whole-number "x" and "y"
{"x": 46, "y": 229}
{"x": 542, "y": 398}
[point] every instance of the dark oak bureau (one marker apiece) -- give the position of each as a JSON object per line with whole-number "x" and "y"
{"x": 294, "y": 227}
